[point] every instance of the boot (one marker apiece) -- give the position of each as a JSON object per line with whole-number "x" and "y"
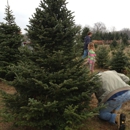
{"x": 120, "y": 120}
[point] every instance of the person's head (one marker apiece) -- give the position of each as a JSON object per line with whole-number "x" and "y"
{"x": 89, "y": 34}
{"x": 91, "y": 46}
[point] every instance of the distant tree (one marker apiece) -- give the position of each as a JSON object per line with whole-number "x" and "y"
{"x": 99, "y": 27}
{"x": 102, "y": 57}
{"x": 117, "y": 36}
{"x": 114, "y": 44}
{"x": 110, "y": 36}
{"x": 119, "y": 60}
{"x": 10, "y": 40}
{"x": 126, "y": 31}
{"x": 97, "y": 36}
{"x": 84, "y": 33}
{"x": 125, "y": 39}
{"x": 105, "y": 36}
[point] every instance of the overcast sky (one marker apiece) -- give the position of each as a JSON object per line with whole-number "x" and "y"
{"x": 113, "y": 13}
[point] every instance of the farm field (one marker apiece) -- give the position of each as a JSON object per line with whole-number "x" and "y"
{"x": 91, "y": 124}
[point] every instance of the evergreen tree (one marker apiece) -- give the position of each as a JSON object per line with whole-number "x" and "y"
{"x": 53, "y": 90}
{"x": 84, "y": 33}
{"x": 105, "y": 36}
{"x": 114, "y": 44}
{"x": 10, "y": 40}
{"x": 117, "y": 36}
{"x": 102, "y": 57}
{"x": 10, "y": 20}
{"x": 97, "y": 36}
{"x": 125, "y": 39}
{"x": 119, "y": 60}
{"x": 110, "y": 36}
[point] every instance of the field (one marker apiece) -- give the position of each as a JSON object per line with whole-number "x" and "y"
{"x": 91, "y": 124}
{"x": 96, "y": 124}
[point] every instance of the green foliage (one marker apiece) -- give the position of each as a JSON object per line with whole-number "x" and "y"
{"x": 110, "y": 36}
{"x": 125, "y": 39}
{"x": 119, "y": 60}
{"x": 10, "y": 20}
{"x": 84, "y": 33}
{"x": 96, "y": 46}
{"x": 97, "y": 36}
{"x": 52, "y": 87}
{"x": 114, "y": 44}
{"x": 10, "y": 40}
{"x": 117, "y": 36}
{"x": 102, "y": 57}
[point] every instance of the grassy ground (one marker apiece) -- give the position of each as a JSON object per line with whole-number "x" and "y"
{"x": 5, "y": 126}
{"x": 91, "y": 124}
{"x": 96, "y": 124}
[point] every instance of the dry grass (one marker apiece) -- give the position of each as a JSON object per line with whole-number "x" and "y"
{"x": 96, "y": 124}
{"x": 91, "y": 124}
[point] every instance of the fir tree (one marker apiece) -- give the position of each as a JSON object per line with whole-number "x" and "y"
{"x": 125, "y": 39}
{"x": 97, "y": 36}
{"x": 10, "y": 40}
{"x": 102, "y": 57}
{"x": 10, "y": 20}
{"x": 53, "y": 89}
{"x": 114, "y": 44}
{"x": 84, "y": 33}
{"x": 119, "y": 60}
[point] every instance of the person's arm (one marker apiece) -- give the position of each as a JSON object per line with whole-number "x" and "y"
{"x": 124, "y": 77}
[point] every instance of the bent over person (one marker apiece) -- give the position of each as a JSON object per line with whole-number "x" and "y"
{"x": 113, "y": 93}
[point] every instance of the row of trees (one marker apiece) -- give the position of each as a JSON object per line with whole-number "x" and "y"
{"x": 53, "y": 90}
{"x": 104, "y": 35}
{"x": 113, "y": 58}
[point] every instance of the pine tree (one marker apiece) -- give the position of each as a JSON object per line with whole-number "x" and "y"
{"x": 10, "y": 40}
{"x": 84, "y": 33}
{"x": 119, "y": 60}
{"x": 117, "y": 36}
{"x": 53, "y": 89}
{"x": 125, "y": 39}
{"x": 102, "y": 57}
{"x": 114, "y": 44}
{"x": 97, "y": 36}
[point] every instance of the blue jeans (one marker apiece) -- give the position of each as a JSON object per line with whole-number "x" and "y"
{"x": 105, "y": 113}
{"x": 85, "y": 53}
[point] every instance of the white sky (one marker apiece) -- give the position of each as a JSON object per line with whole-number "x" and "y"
{"x": 113, "y": 13}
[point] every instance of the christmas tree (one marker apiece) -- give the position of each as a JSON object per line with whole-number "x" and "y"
{"x": 102, "y": 56}
{"x": 53, "y": 89}
{"x": 114, "y": 44}
{"x": 119, "y": 60}
{"x": 84, "y": 33}
{"x": 10, "y": 40}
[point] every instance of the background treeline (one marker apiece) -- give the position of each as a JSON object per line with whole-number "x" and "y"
{"x": 101, "y": 33}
